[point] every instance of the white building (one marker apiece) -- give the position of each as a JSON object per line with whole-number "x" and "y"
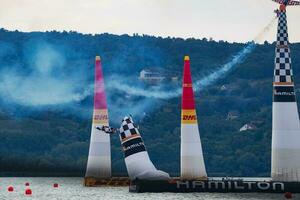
{"x": 156, "y": 75}
{"x": 247, "y": 127}
{"x": 151, "y": 75}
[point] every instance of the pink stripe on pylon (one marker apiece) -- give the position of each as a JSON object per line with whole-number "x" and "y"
{"x": 99, "y": 90}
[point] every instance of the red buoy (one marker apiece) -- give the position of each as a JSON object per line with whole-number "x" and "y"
{"x": 288, "y": 195}
{"x": 28, "y": 191}
{"x": 55, "y": 185}
{"x": 10, "y": 189}
{"x": 26, "y": 184}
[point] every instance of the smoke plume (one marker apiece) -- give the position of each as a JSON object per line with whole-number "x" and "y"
{"x": 46, "y": 83}
{"x": 204, "y": 82}
{"x": 49, "y": 81}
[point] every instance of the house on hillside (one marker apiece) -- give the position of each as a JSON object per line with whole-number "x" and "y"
{"x": 157, "y": 75}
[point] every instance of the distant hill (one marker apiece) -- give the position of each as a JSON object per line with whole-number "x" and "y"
{"x": 46, "y": 101}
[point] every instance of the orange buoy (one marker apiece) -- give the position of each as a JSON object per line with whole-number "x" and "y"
{"x": 55, "y": 185}
{"x": 28, "y": 191}
{"x": 26, "y": 184}
{"x": 288, "y": 195}
{"x": 10, "y": 189}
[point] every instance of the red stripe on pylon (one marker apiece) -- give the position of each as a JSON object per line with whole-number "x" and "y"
{"x": 188, "y": 102}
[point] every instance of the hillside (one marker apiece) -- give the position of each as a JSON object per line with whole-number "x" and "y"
{"x": 46, "y": 101}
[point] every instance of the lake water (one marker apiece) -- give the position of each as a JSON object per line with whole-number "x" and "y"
{"x": 72, "y": 189}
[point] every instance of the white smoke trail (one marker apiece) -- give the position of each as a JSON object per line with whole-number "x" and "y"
{"x": 208, "y": 80}
{"x": 237, "y": 59}
{"x": 222, "y": 71}
{"x": 116, "y": 84}
{"x": 260, "y": 36}
{"x": 45, "y": 84}
{"x": 198, "y": 85}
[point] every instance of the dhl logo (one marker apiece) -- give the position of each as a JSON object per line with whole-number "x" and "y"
{"x": 100, "y": 117}
{"x": 188, "y": 117}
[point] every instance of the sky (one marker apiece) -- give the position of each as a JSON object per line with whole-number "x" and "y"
{"x": 230, "y": 20}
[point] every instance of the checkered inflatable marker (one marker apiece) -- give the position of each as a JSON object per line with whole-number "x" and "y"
{"x": 283, "y": 86}
{"x": 128, "y": 129}
{"x": 283, "y": 72}
{"x": 130, "y": 137}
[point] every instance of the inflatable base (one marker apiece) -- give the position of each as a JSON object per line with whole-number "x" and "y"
{"x": 112, "y": 182}
{"x": 217, "y": 186}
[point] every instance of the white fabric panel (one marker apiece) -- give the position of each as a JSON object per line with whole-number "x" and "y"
{"x": 288, "y": 157}
{"x": 285, "y": 116}
{"x": 191, "y": 149}
{"x": 99, "y": 160}
{"x": 286, "y": 165}
{"x": 192, "y": 167}
{"x": 285, "y": 142}
{"x": 191, "y": 133}
{"x": 99, "y": 171}
{"x": 99, "y": 149}
{"x": 154, "y": 175}
{"x": 286, "y": 126}
{"x": 286, "y": 139}
{"x": 140, "y": 166}
{"x": 192, "y": 161}
{"x": 99, "y": 136}
{"x": 138, "y": 163}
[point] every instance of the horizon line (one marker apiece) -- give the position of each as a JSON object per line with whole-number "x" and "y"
{"x": 209, "y": 39}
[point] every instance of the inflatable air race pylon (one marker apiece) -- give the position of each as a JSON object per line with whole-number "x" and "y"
{"x": 286, "y": 126}
{"x": 99, "y": 159}
{"x": 191, "y": 156}
{"x": 138, "y": 163}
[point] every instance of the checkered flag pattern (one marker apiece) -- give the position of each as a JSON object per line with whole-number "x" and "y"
{"x": 128, "y": 128}
{"x": 282, "y": 33}
{"x": 283, "y": 66}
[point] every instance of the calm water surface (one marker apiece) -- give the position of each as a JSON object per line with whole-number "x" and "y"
{"x": 72, "y": 189}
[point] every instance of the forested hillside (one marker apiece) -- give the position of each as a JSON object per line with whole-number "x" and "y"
{"x": 46, "y": 101}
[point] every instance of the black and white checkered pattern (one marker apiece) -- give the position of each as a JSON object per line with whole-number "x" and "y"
{"x": 283, "y": 65}
{"x": 282, "y": 34}
{"x": 128, "y": 128}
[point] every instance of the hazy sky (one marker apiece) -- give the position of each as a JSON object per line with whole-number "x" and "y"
{"x": 232, "y": 20}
